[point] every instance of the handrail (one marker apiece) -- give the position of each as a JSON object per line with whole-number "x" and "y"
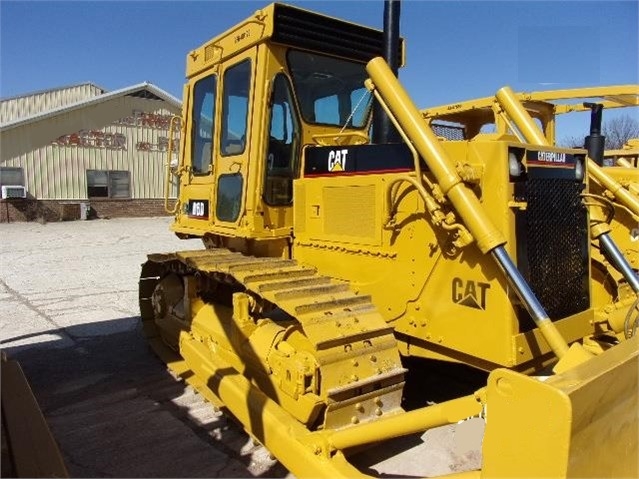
{"x": 516, "y": 111}
{"x": 167, "y": 176}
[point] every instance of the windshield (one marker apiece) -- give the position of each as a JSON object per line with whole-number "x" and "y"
{"x": 330, "y": 91}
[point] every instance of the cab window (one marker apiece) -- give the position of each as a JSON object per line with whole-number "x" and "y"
{"x": 229, "y": 197}
{"x": 283, "y": 144}
{"x": 203, "y": 124}
{"x": 330, "y": 90}
{"x": 235, "y": 102}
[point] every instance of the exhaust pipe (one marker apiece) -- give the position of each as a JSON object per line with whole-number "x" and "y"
{"x": 595, "y": 142}
{"x": 383, "y": 130}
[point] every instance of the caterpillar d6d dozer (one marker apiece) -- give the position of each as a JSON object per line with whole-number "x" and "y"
{"x": 613, "y": 189}
{"x": 331, "y": 257}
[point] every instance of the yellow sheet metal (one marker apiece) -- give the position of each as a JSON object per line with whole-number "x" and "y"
{"x": 581, "y": 423}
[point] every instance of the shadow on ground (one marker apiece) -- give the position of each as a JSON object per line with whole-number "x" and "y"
{"x": 115, "y": 410}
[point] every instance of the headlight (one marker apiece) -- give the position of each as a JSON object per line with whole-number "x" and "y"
{"x": 514, "y": 165}
{"x": 579, "y": 169}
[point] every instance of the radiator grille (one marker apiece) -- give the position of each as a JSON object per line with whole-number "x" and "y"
{"x": 350, "y": 211}
{"x": 450, "y": 132}
{"x": 557, "y": 245}
{"x": 308, "y": 30}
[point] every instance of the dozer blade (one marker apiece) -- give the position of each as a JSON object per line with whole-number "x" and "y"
{"x": 32, "y": 450}
{"x": 580, "y": 423}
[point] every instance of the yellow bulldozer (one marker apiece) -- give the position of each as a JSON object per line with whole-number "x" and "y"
{"x": 334, "y": 251}
{"x": 613, "y": 174}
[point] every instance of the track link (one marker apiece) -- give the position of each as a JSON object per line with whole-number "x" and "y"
{"x": 361, "y": 376}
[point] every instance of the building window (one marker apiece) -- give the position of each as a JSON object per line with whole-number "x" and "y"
{"x": 10, "y": 175}
{"x": 108, "y": 184}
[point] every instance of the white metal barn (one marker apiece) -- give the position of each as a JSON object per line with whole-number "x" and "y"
{"x": 76, "y": 151}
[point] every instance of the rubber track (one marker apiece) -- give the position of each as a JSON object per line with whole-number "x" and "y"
{"x": 355, "y": 347}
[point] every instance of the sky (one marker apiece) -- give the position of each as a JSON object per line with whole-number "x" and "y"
{"x": 456, "y": 49}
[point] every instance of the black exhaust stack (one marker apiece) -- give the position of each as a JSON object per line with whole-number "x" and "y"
{"x": 595, "y": 142}
{"x": 383, "y": 129}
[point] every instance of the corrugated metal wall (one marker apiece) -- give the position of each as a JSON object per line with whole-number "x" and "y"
{"x": 136, "y": 144}
{"x": 13, "y": 109}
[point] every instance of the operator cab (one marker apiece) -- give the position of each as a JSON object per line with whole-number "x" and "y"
{"x": 255, "y": 96}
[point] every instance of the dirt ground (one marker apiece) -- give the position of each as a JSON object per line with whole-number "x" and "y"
{"x": 69, "y": 314}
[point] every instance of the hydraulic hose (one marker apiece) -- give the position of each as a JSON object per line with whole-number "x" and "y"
{"x": 467, "y": 205}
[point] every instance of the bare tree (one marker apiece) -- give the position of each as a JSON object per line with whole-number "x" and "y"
{"x": 572, "y": 141}
{"x": 617, "y": 132}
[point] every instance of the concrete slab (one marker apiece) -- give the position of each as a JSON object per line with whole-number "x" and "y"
{"x": 69, "y": 314}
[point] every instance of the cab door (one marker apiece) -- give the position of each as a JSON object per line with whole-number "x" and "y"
{"x": 281, "y": 164}
{"x": 197, "y": 185}
{"x": 233, "y": 142}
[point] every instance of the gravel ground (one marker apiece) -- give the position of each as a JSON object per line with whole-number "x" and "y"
{"x": 69, "y": 314}
{"x": 64, "y": 282}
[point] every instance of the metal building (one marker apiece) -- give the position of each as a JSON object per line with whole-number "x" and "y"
{"x": 79, "y": 151}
